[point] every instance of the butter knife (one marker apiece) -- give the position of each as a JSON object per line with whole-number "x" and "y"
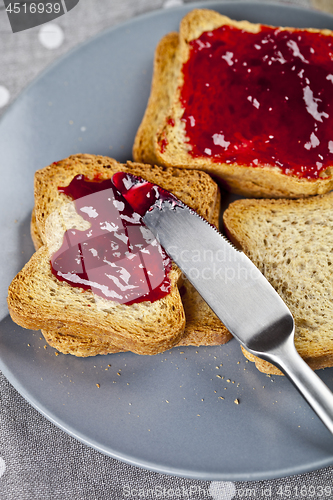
{"x": 239, "y": 295}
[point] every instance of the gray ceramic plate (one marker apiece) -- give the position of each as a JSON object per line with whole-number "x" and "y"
{"x": 164, "y": 412}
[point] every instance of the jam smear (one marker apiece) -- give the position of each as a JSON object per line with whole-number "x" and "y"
{"x": 261, "y": 99}
{"x": 117, "y": 258}
{"x": 142, "y": 195}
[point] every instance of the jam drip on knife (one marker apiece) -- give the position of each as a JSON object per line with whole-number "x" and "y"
{"x": 261, "y": 99}
{"x": 118, "y": 258}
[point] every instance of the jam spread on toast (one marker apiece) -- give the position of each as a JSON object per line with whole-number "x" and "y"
{"x": 259, "y": 99}
{"x": 142, "y": 195}
{"x": 118, "y": 258}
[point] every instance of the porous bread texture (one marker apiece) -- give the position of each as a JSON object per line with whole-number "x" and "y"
{"x": 74, "y": 334}
{"x": 37, "y": 300}
{"x": 291, "y": 242}
{"x": 162, "y": 121}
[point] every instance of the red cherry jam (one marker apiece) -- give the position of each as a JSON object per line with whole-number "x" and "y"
{"x": 117, "y": 258}
{"x": 261, "y": 99}
{"x": 141, "y": 194}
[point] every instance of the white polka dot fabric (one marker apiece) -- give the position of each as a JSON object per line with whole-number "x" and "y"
{"x": 172, "y": 3}
{"x": 2, "y": 466}
{"x": 51, "y": 36}
{"x": 222, "y": 490}
{"x": 4, "y": 96}
{"x": 37, "y": 460}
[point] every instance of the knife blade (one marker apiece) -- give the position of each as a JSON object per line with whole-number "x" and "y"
{"x": 239, "y": 295}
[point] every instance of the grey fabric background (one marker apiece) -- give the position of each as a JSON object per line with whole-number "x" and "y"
{"x": 37, "y": 460}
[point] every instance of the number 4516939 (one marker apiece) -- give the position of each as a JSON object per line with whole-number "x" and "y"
{"x": 304, "y": 491}
{"x": 33, "y": 8}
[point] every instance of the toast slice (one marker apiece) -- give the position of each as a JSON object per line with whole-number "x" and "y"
{"x": 290, "y": 241}
{"x": 202, "y": 327}
{"x": 36, "y": 301}
{"x": 162, "y": 137}
{"x": 148, "y": 328}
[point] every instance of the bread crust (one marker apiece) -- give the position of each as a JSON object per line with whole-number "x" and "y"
{"x": 166, "y": 64}
{"x": 261, "y": 181}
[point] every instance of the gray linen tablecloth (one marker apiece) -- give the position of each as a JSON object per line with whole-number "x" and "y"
{"x": 37, "y": 460}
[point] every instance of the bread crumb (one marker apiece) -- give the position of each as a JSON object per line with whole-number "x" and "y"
{"x": 56, "y": 354}
{"x": 228, "y": 380}
{"x": 220, "y": 397}
{"x": 236, "y": 401}
{"x": 98, "y": 385}
{"x": 118, "y": 374}
{"x": 45, "y": 346}
{"x": 219, "y": 376}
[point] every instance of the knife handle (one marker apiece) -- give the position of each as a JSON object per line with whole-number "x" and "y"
{"x": 312, "y": 388}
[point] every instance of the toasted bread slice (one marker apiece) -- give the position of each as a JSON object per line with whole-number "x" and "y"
{"x": 72, "y": 334}
{"x": 290, "y": 241}
{"x": 37, "y": 300}
{"x": 161, "y": 137}
{"x": 165, "y": 74}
